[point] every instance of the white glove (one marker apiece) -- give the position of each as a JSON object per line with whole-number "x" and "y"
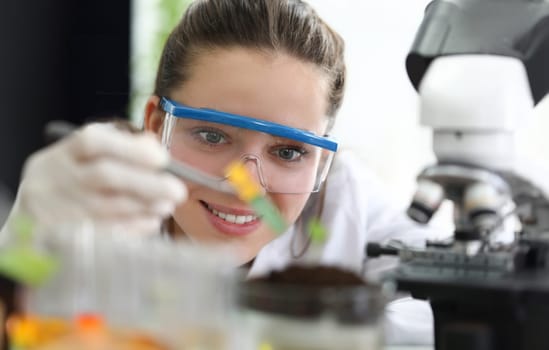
{"x": 101, "y": 175}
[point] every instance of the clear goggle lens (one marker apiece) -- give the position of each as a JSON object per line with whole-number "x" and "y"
{"x": 283, "y": 159}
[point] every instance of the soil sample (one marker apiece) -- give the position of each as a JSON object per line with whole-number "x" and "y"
{"x": 310, "y": 291}
{"x": 314, "y": 276}
{"x": 307, "y": 307}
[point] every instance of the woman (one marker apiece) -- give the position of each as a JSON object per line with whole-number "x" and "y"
{"x": 277, "y": 71}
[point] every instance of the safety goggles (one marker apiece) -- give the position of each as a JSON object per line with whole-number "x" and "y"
{"x": 283, "y": 159}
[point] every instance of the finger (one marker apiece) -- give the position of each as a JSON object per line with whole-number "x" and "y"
{"x": 60, "y": 215}
{"x": 54, "y": 211}
{"x": 111, "y": 176}
{"x": 106, "y": 206}
{"x": 142, "y": 225}
{"x": 97, "y": 140}
{"x": 51, "y": 205}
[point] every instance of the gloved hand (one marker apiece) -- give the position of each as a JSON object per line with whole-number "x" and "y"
{"x": 103, "y": 175}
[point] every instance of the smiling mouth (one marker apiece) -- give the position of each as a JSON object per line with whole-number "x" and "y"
{"x": 230, "y": 217}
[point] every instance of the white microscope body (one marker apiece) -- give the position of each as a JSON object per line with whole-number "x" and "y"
{"x": 474, "y": 105}
{"x": 498, "y": 259}
{"x": 479, "y": 67}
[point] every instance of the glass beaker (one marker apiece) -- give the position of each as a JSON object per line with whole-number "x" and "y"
{"x": 307, "y": 315}
{"x": 177, "y": 294}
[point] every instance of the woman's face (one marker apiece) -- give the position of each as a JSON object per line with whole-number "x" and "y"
{"x": 274, "y": 87}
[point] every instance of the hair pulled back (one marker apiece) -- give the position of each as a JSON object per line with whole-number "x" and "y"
{"x": 290, "y": 26}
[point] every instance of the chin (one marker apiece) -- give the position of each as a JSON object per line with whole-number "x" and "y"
{"x": 245, "y": 259}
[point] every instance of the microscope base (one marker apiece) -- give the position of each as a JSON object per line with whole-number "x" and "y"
{"x": 490, "y": 312}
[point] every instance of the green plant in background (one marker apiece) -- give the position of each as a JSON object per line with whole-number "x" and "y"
{"x": 152, "y": 22}
{"x": 169, "y": 13}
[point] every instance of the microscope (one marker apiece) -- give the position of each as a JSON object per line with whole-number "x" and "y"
{"x": 480, "y": 67}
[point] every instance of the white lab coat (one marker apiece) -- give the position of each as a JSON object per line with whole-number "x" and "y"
{"x": 357, "y": 211}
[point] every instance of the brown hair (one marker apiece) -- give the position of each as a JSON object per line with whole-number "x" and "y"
{"x": 288, "y": 25}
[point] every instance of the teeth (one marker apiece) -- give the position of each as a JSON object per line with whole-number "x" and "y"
{"x": 235, "y": 219}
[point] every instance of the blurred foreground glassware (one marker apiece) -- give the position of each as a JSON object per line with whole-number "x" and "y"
{"x": 139, "y": 293}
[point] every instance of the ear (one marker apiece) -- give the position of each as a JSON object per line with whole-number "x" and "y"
{"x": 154, "y": 117}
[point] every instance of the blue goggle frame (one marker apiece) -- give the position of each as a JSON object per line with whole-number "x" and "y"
{"x": 211, "y": 115}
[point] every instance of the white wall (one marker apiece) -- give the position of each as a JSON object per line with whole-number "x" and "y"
{"x": 379, "y": 117}
{"x": 143, "y": 61}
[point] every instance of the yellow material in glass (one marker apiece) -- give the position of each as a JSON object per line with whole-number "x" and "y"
{"x": 23, "y": 332}
{"x": 27, "y": 331}
{"x": 87, "y": 332}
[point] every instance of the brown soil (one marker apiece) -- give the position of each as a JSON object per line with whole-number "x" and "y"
{"x": 311, "y": 291}
{"x": 314, "y": 276}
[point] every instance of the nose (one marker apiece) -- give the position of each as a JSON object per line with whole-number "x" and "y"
{"x": 253, "y": 165}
